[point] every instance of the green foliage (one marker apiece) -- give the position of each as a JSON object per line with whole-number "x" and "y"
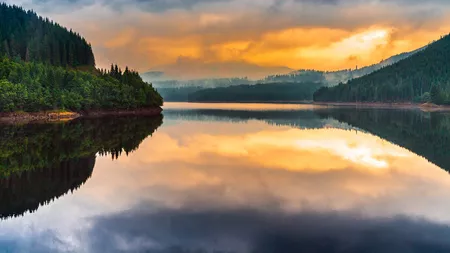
{"x": 38, "y": 62}
{"x": 436, "y": 95}
{"x": 301, "y": 76}
{"x": 268, "y": 92}
{"x": 28, "y": 37}
{"x": 424, "y": 98}
{"x": 28, "y": 86}
{"x": 404, "y": 81}
{"x": 158, "y": 82}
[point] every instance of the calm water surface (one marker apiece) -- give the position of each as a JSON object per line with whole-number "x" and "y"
{"x": 229, "y": 178}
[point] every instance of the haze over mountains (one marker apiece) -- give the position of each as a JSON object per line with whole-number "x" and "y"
{"x": 423, "y": 77}
{"x": 171, "y": 76}
{"x": 295, "y": 86}
{"x": 186, "y": 68}
{"x": 332, "y": 78}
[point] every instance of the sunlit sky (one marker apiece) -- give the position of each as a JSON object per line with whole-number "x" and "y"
{"x": 201, "y": 38}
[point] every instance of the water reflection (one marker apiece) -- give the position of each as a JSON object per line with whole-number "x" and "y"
{"x": 227, "y": 181}
{"x": 238, "y": 180}
{"x": 25, "y": 192}
{"x": 41, "y": 162}
{"x": 424, "y": 133}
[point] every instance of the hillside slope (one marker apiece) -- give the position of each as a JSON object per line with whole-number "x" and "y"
{"x": 26, "y": 36}
{"x": 423, "y": 77}
{"x": 41, "y": 67}
{"x": 331, "y": 78}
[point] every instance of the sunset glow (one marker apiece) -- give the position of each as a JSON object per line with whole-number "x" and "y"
{"x": 190, "y": 39}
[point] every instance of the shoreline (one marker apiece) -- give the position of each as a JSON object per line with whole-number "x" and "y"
{"x": 427, "y": 107}
{"x": 55, "y": 116}
{"x": 378, "y": 105}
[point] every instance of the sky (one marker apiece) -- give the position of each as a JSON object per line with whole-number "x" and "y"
{"x": 221, "y": 38}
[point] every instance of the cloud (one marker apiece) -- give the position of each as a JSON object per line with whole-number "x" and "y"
{"x": 191, "y": 68}
{"x": 38, "y": 241}
{"x": 146, "y": 34}
{"x": 246, "y": 230}
{"x": 161, "y": 5}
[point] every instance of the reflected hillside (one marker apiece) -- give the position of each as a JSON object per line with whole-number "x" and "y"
{"x": 32, "y": 146}
{"x": 41, "y": 162}
{"x": 307, "y": 119}
{"x": 426, "y": 134}
{"x": 25, "y": 192}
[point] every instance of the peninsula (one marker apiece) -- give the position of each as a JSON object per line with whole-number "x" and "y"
{"x": 47, "y": 71}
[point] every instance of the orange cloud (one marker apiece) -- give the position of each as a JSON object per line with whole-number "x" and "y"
{"x": 254, "y": 165}
{"x": 295, "y": 34}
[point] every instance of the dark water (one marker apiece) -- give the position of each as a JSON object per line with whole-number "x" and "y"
{"x": 229, "y": 178}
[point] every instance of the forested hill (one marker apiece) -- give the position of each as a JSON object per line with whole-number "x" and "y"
{"x": 267, "y": 92}
{"x": 26, "y": 36}
{"x": 40, "y": 64}
{"x": 331, "y": 78}
{"x": 423, "y": 77}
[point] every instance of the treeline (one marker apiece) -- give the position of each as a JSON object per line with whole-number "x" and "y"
{"x": 39, "y": 63}
{"x": 306, "y": 76}
{"x": 38, "y": 146}
{"x": 26, "y": 36}
{"x": 26, "y": 192}
{"x": 205, "y": 83}
{"x": 423, "y": 77}
{"x": 332, "y": 78}
{"x": 41, "y": 162}
{"x": 30, "y": 86}
{"x": 268, "y": 92}
{"x": 178, "y": 94}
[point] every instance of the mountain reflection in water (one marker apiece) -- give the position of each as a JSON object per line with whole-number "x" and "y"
{"x": 257, "y": 179}
{"x": 41, "y": 162}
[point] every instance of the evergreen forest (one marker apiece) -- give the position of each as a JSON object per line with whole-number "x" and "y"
{"x": 423, "y": 77}
{"x": 44, "y": 66}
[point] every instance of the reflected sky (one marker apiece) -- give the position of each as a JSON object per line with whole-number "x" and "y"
{"x": 247, "y": 186}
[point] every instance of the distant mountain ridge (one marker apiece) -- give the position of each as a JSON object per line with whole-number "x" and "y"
{"x": 422, "y": 77}
{"x": 214, "y": 89}
{"x": 186, "y": 69}
{"x": 331, "y": 78}
{"x": 162, "y": 80}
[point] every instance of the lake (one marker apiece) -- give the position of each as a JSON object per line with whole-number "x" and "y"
{"x": 229, "y": 178}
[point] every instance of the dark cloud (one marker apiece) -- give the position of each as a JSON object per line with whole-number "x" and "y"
{"x": 41, "y": 242}
{"x": 58, "y": 5}
{"x": 165, "y": 5}
{"x": 255, "y": 231}
{"x": 159, "y": 5}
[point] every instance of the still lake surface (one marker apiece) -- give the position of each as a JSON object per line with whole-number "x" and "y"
{"x": 229, "y": 178}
